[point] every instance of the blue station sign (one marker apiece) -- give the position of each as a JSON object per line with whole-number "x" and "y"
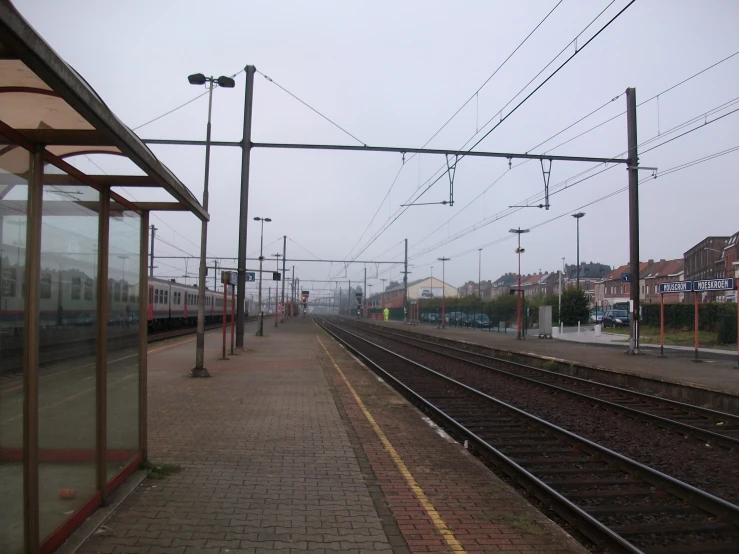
{"x": 251, "y": 276}
{"x": 713, "y": 284}
{"x": 676, "y": 286}
{"x": 626, "y": 277}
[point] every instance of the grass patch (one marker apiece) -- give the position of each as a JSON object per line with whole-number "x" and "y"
{"x": 524, "y": 524}
{"x": 674, "y": 337}
{"x": 159, "y": 471}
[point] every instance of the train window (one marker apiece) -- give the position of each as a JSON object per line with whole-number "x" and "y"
{"x": 46, "y": 285}
{"x": 76, "y": 288}
{"x": 166, "y": 297}
{"x": 9, "y": 278}
{"x": 156, "y": 296}
{"x": 88, "y": 289}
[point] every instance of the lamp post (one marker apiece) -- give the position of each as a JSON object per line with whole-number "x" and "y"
{"x": 479, "y": 274}
{"x": 383, "y": 296}
{"x": 443, "y": 290}
{"x": 519, "y": 251}
{"x": 277, "y": 304}
{"x": 578, "y": 216}
{"x": 260, "y": 314}
{"x": 225, "y": 82}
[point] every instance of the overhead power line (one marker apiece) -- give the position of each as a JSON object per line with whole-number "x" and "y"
{"x": 278, "y": 85}
{"x": 653, "y": 97}
{"x": 179, "y": 107}
{"x": 474, "y": 94}
{"x": 567, "y": 183}
{"x": 412, "y": 200}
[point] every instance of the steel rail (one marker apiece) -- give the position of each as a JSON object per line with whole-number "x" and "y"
{"x": 717, "y": 438}
{"x": 590, "y": 526}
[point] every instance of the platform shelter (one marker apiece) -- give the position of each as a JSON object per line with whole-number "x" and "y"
{"x": 73, "y": 301}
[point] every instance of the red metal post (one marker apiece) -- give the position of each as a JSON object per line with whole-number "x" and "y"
{"x": 736, "y": 298}
{"x": 661, "y": 324}
{"x": 519, "y": 288}
{"x": 695, "y": 323}
{"x": 233, "y": 319}
{"x": 225, "y": 287}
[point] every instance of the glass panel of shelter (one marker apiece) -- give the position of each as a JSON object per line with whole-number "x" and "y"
{"x": 13, "y": 221}
{"x": 67, "y": 351}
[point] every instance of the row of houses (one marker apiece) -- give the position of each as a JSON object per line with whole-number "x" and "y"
{"x": 713, "y": 257}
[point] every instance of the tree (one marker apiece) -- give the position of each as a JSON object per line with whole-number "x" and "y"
{"x": 574, "y": 306}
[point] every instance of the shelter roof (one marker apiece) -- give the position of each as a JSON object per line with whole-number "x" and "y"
{"x": 45, "y": 103}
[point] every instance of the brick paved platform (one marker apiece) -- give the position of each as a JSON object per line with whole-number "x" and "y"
{"x": 715, "y": 374}
{"x": 293, "y": 446}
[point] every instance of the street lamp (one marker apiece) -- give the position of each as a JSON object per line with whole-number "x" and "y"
{"x": 383, "y": 297}
{"x": 277, "y": 256}
{"x": 260, "y": 322}
{"x": 443, "y": 290}
{"x": 226, "y": 82}
{"x": 578, "y": 216}
{"x": 519, "y": 251}
{"x": 479, "y": 274}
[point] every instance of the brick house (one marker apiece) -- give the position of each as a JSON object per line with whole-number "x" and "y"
{"x": 502, "y": 285}
{"x": 660, "y": 272}
{"x": 611, "y": 289}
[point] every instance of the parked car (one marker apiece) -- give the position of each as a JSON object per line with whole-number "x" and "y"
{"x": 596, "y": 317}
{"x": 616, "y": 318}
{"x": 481, "y": 321}
{"x": 459, "y": 319}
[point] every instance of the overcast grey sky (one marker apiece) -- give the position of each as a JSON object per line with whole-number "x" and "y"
{"x": 392, "y": 73}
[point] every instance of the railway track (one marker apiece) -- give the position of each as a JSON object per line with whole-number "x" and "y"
{"x": 710, "y": 426}
{"x": 618, "y": 503}
{"x": 63, "y": 352}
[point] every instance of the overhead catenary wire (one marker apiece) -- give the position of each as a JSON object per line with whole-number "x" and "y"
{"x": 180, "y": 106}
{"x": 474, "y": 95}
{"x": 412, "y": 200}
{"x": 568, "y": 183}
{"x": 278, "y": 85}
{"x": 589, "y": 130}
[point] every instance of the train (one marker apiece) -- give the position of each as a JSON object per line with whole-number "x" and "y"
{"x": 67, "y": 299}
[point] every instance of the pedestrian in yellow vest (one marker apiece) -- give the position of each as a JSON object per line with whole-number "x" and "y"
{"x": 386, "y": 314}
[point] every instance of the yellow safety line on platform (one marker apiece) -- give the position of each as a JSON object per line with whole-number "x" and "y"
{"x": 444, "y": 531}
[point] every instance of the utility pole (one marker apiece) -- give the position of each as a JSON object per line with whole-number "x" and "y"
{"x": 215, "y": 275}
{"x": 292, "y": 274}
{"x": 349, "y": 300}
{"x": 244, "y": 206}
{"x": 633, "y": 169}
{"x": 383, "y": 293}
{"x": 560, "y": 293}
{"x": 151, "y": 250}
{"x": 284, "y": 250}
{"x": 479, "y": 274}
{"x": 405, "y": 285}
{"x": 364, "y": 294}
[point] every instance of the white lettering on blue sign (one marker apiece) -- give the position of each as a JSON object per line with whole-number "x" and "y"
{"x": 675, "y": 286}
{"x": 713, "y": 284}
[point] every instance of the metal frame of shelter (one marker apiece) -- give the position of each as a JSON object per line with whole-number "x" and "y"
{"x": 48, "y": 115}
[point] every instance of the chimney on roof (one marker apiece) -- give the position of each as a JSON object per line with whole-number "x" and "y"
{"x": 650, "y": 261}
{"x": 662, "y": 260}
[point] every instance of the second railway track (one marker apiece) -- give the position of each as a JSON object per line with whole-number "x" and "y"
{"x": 708, "y": 425}
{"x": 620, "y": 504}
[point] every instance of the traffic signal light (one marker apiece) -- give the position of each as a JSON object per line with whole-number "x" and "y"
{"x": 304, "y": 298}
